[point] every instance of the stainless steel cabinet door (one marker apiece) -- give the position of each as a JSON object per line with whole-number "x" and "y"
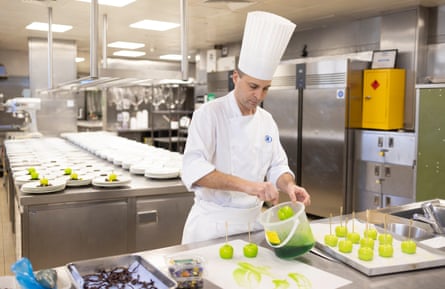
{"x": 57, "y": 234}
{"x": 160, "y": 221}
{"x": 324, "y": 150}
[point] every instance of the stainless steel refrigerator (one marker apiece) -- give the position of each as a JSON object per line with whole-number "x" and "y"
{"x": 317, "y": 105}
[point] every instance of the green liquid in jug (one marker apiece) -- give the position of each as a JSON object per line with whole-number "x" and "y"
{"x": 300, "y": 243}
{"x": 291, "y": 252}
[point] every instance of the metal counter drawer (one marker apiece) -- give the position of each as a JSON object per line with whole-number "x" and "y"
{"x": 397, "y": 148}
{"x": 160, "y": 221}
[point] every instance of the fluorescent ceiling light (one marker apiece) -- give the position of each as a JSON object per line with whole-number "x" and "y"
{"x": 129, "y": 53}
{"x": 80, "y": 59}
{"x": 126, "y": 45}
{"x": 44, "y": 27}
{"x": 176, "y": 57}
{"x": 115, "y": 3}
{"x": 154, "y": 25}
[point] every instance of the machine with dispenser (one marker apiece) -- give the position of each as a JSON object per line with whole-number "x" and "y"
{"x": 24, "y": 108}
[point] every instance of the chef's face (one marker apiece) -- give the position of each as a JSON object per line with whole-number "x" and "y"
{"x": 249, "y": 91}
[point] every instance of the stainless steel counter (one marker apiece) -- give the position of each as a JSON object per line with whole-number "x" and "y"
{"x": 431, "y": 278}
{"x": 139, "y": 186}
{"x": 89, "y": 222}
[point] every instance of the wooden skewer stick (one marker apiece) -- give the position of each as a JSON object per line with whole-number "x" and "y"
{"x": 353, "y": 217}
{"x": 341, "y": 215}
{"x": 248, "y": 227}
{"x": 367, "y": 219}
{"x": 330, "y": 223}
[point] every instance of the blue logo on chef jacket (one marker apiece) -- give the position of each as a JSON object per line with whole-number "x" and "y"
{"x": 268, "y": 138}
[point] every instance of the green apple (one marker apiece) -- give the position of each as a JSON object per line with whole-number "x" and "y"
{"x": 365, "y": 253}
{"x": 74, "y": 176}
{"x": 367, "y": 242}
{"x": 44, "y": 182}
{"x": 34, "y": 175}
{"x": 331, "y": 240}
{"x": 345, "y": 246}
{"x": 385, "y": 239}
{"x": 409, "y": 246}
{"x": 226, "y": 251}
{"x": 68, "y": 171}
{"x": 371, "y": 233}
{"x": 341, "y": 231}
{"x": 386, "y": 250}
{"x": 285, "y": 212}
{"x": 250, "y": 250}
{"x": 354, "y": 237}
{"x": 112, "y": 177}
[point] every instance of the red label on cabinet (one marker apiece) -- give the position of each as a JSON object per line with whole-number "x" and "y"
{"x": 375, "y": 84}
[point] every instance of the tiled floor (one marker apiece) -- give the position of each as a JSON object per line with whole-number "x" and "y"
{"x": 7, "y": 243}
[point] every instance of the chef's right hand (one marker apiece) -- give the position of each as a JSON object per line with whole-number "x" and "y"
{"x": 265, "y": 191}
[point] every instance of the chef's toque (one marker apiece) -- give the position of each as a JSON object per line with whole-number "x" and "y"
{"x": 265, "y": 39}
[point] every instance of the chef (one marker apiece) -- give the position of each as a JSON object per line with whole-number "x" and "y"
{"x": 233, "y": 159}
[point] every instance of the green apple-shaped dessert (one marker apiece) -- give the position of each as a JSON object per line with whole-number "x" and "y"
{"x": 408, "y": 246}
{"x": 385, "y": 239}
{"x": 371, "y": 233}
{"x": 285, "y": 212}
{"x": 367, "y": 242}
{"x": 386, "y": 250}
{"x": 44, "y": 182}
{"x": 331, "y": 240}
{"x": 341, "y": 231}
{"x": 226, "y": 251}
{"x": 345, "y": 246}
{"x": 250, "y": 250}
{"x": 365, "y": 253}
{"x": 74, "y": 176}
{"x": 67, "y": 171}
{"x": 354, "y": 237}
{"x": 112, "y": 177}
{"x": 34, "y": 175}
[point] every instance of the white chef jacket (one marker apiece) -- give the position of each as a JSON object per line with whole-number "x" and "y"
{"x": 221, "y": 138}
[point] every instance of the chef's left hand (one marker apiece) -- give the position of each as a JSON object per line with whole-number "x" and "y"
{"x": 299, "y": 194}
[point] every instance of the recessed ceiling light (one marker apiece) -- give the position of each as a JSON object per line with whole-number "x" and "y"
{"x": 129, "y": 53}
{"x": 154, "y": 25}
{"x": 115, "y": 3}
{"x": 175, "y": 57}
{"x": 40, "y": 26}
{"x": 126, "y": 45}
{"x": 80, "y": 59}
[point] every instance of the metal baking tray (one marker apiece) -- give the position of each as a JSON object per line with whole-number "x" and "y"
{"x": 140, "y": 269}
{"x": 424, "y": 258}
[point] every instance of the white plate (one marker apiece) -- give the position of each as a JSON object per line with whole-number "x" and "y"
{"x": 35, "y": 188}
{"x": 162, "y": 173}
{"x": 20, "y": 180}
{"x": 102, "y": 182}
{"x": 82, "y": 181}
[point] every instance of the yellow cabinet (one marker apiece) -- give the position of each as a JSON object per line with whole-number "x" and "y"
{"x": 383, "y": 99}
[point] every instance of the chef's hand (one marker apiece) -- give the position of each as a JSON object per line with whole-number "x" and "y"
{"x": 265, "y": 191}
{"x": 299, "y": 194}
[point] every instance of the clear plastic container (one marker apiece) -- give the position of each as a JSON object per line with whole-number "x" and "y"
{"x": 291, "y": 237}
{"x": 188, "y": 271}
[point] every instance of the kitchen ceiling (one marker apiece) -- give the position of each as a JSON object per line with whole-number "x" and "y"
{"x": 210, "y": 22}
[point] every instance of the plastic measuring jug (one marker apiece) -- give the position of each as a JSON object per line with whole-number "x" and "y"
{"x": 291, "y": 237}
